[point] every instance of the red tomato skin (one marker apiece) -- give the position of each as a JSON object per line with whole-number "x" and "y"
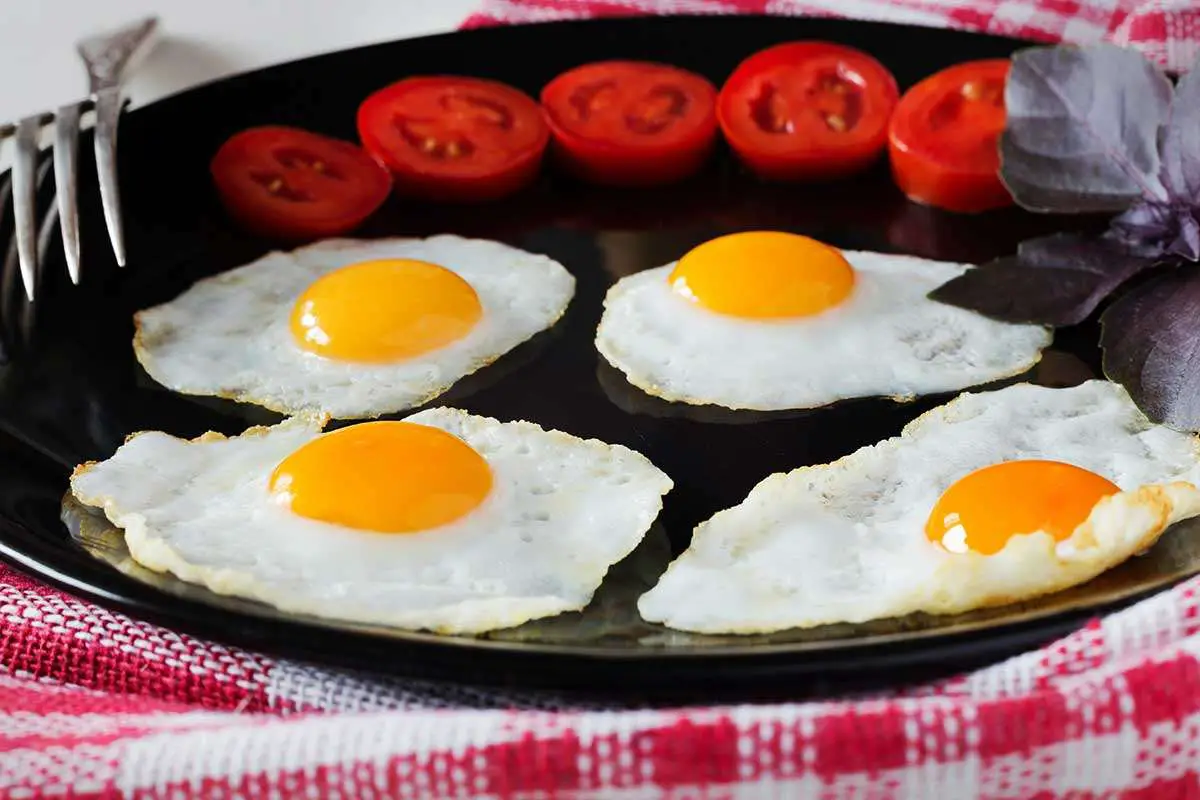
{"x": 802, "y": 167}
{"x": 606, "y": 167}
{"x": 809, "y": 163}
{"x": 640, "y": 164}
{"x": 422, "y": 180}
{"x": 934, "y": 185}
{"x": 250, "y": 213}
{"x": 941, "y": 182}
{"x": 419, "y": 185}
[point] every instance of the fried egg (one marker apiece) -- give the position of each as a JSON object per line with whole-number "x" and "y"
{"x": 769, "y": 321}
{"x": 992, "y": 498}
{"x": 443, "y": 521}
{"x": 352, "y": 328}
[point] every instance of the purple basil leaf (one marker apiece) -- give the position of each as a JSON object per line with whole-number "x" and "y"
{"x": 1054, "y": 280}
{"x": 1083, "y": 129}
{"x": 1151, "y": 343}
{"x": 1169, "y": 229}
{"x": 1181, "y": 143}
{"x": 1187, "y": 243}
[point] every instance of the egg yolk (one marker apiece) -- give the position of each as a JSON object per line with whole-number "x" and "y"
{"x": 382, "y": 311}
{"x": 764, "y": 275}
{"x": 981, "y": 510}
{"x": 389, "y": 477}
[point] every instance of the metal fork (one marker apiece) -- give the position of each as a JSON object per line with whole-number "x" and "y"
{"x": 107, "y": 58}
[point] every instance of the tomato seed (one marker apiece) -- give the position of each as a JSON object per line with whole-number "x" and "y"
{"x": 592, "y": 97}
{"x": 656, "y": 110}
{"x": 770, "y": 112}
{"x": 983, "y": 91}
{"x": 275, "y": 185}
{"x": 478, "y": 109}
{"x": 426, "y": 139}
{"x": 834, "y": 85}
{"x": 837, "y": 101}
{"x": 294, "y": 158}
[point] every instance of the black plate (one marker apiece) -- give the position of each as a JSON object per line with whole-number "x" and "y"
{"x": 77, "y": 391}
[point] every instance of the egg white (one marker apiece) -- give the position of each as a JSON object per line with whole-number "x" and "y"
{"x": 886, "y": 339}
{"x": 229, "y": 335}
{"x": 561, "y": 511}
{"x": 846, "y": 542}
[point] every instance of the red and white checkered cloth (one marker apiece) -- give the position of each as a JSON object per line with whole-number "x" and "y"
{"x": 93, "y": 703}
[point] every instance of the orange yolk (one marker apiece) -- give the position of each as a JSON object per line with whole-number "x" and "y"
{"x": 381, "y": 311}
{"x": 389, "y": 477}
{"x": 981, "y": 510}
{"x": 764, "y": 275}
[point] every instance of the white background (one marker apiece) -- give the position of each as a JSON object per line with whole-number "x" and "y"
{"x": 200, "y": 39}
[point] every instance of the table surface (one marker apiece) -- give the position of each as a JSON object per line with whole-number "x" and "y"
{"x": 199, "y": 41}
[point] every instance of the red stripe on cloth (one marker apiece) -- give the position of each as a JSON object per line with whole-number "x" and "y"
{"x": 684, "y": 752}
{"x": 1020, "y": 725}
{"x": 46, "y": 633}
{"x": 1155, "y": 692}
{"x": 30, "y": 695}
{"x": 536, "y": 764}
{"x": 1184, "y": 787}
{"x": 871, "y": 737}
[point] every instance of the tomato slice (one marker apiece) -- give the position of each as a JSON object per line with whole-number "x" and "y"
{"x": 451, "y": 138}
{"x": 807, "y": 110}
{"x": 943, "y": 138}
{"x": 631, "y": 123}
{"x": 290, "y": 184}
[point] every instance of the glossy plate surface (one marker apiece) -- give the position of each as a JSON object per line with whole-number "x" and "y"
{"x": 76, "y": 392}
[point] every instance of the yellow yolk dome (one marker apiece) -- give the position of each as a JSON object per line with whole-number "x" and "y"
{"x": 388, "y": 477}
{"x": 983, "y": 509}
{"x": 764, "y": 275}
{"x": 383, "y": 311}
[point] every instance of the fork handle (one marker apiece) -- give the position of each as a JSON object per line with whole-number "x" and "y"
{"x": 108, "y": 56}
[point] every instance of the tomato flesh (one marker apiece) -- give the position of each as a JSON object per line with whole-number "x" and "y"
{"x": 456, "y": 139}
{"x": 943, "y": 138}
{"x": 807, "y": 111}
{"x": 631, "y": 123}
{"x": 288, "y": 183}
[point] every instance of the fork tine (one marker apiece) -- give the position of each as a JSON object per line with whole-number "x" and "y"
{"x": 108, "y": 114}
{"x": 8, "y": 271}
{"x": 17, "y": 315}
{"x": 66, "y": 140}
{"x": 11, "y": 302}
{"x": 25, "y": 198}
